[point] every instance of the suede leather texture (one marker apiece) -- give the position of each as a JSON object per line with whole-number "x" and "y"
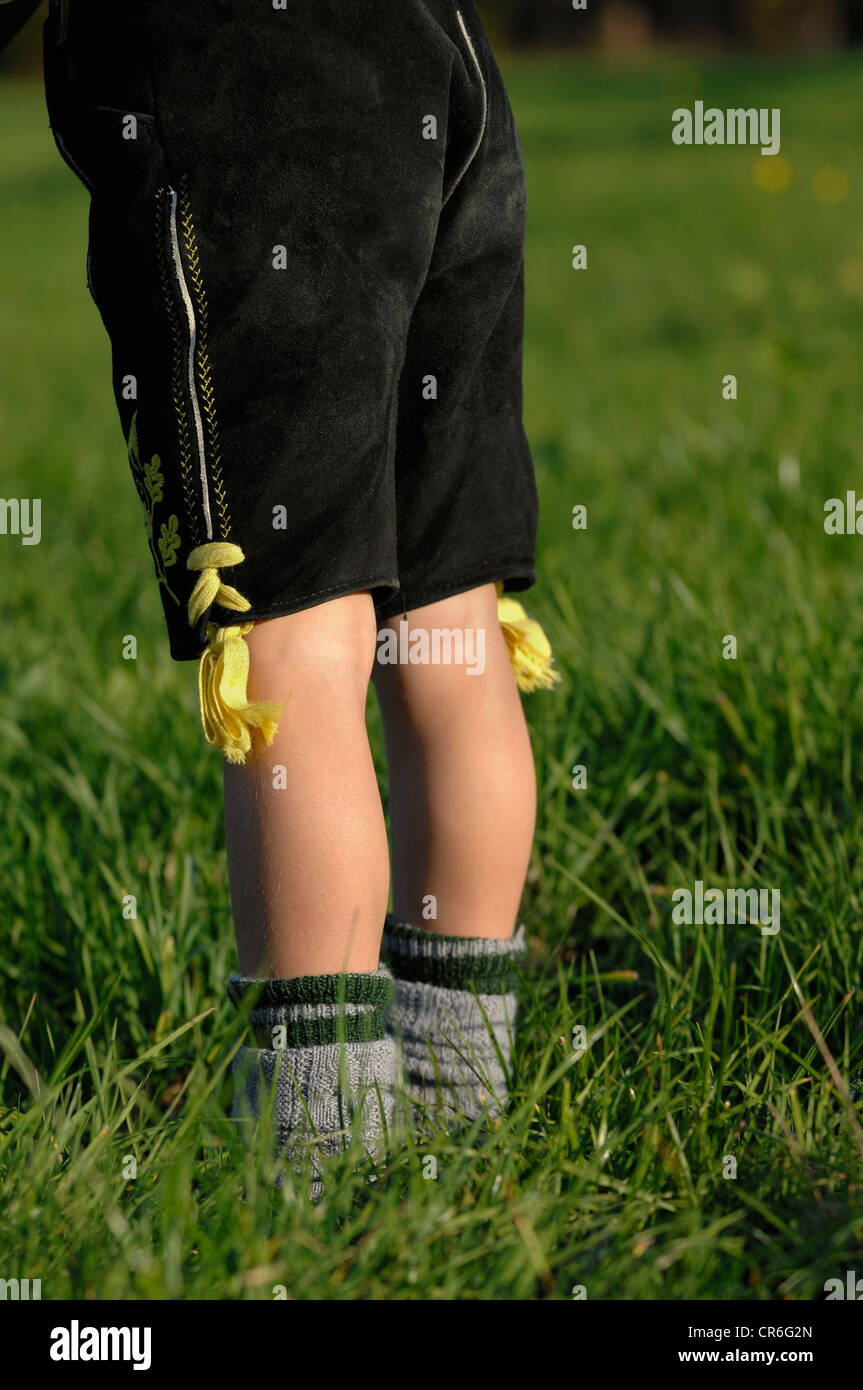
{"x": 290, "y": 386}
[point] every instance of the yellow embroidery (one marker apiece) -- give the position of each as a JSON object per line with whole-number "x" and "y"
{"x": 150, "y": 483}
{"x": 184, "y": 437}
{"x": 228, "y": 717}
{"x": 205, "y": 375}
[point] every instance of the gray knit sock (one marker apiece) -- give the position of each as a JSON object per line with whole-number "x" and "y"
{"x": 450, "y": 1052}
{"x": 324, "y": 1055}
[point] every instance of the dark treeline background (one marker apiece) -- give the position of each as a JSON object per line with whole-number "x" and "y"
{"x": 620, "y": 26}
{"x": 772, "y": 25}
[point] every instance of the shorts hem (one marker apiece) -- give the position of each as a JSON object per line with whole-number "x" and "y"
{"x": 285, "y": 607}
{"x": 517, "y": 575}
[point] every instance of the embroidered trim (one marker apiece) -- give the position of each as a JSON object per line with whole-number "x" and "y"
{"x": 229, "y": 719}
{"x": 150, "y": 482}
{"x": 205, "y": 377}
{"x": 180, "y": 278}
{"x": 184, "y": 437}
{"x": 473, "y": 154}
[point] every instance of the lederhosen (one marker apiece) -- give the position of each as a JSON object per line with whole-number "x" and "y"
{"x": 306, "y": 230}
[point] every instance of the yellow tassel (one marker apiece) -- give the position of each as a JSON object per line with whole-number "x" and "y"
{"x": 209, "y": 589}
{"x": 529, "y": 648}
{"x": 226, "y": 714}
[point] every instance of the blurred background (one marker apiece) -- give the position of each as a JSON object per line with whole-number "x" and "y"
{"x": 705, "y": 518}
{"x": 632, "y": 25}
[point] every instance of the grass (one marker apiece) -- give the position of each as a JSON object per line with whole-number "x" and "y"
{"x": 610, "y": 1170}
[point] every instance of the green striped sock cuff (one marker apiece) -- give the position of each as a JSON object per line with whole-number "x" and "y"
{"x": 453, "y": 962}
{"x": 314, "y": 1010}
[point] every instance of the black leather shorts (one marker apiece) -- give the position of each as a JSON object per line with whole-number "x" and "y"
{"x": 306, "y": 232}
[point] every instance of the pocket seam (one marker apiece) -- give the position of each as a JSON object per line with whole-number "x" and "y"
{"x": 484, "y": 122}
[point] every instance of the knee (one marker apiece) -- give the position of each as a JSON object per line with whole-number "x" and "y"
{"x": 473, "y": 608}
{"x": 332, "y": 644}
{"x": 463, "y": 663}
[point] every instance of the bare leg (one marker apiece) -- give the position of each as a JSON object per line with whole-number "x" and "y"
{"x": 461, "y": 776}
{"x": 307, "y": 849}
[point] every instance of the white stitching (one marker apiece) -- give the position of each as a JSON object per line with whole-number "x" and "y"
{"x": 193, "y": 337}
{"x": 472, "y": 156}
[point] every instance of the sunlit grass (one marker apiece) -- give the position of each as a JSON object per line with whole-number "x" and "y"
{"x": 608, "y": 1170}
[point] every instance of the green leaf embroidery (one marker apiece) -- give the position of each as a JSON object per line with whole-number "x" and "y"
{"x": 153, "y": 480}
{"x": 169, "y": 542}
{"x": 150, "y": 482}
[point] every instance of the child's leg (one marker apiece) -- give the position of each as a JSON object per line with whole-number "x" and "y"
{"x": 307, "y": 849}
{"x": 463, "y": 802}
{"x": 461, "y": 776}
{"x": 307, "y": 856}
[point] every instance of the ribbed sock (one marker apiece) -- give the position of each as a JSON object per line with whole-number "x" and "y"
{"x": 448, "y": 1053}
{"x": 322, "y": 1043}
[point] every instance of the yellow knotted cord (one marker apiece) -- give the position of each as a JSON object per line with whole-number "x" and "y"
{"x": 529, "y": 648}
{"x": 226, "y": 714}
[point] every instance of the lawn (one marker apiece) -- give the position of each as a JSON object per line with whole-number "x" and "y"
{"x": 612, "y": 1171}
